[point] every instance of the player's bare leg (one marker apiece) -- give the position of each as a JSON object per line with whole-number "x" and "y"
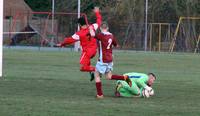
{"x": 108, "y": 75}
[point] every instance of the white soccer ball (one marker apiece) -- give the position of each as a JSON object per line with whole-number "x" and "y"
{"x": 145, "y": 93}
{"x": 151, "y": 92}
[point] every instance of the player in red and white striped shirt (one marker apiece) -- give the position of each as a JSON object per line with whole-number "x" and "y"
{"x": 87, "y": 41}
{"x": 104, "y": 65}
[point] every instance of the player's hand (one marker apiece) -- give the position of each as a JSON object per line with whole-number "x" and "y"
{"x": 148, "y": 88}
{"x": 96, "y": 9}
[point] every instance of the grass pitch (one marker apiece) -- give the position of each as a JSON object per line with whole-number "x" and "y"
{"x": 38, "y": 83}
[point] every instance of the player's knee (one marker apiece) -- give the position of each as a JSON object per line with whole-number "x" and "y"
{"x": 97, "y": 79}
{"x": 108, "y": 77}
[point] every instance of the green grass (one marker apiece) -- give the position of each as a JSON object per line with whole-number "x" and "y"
{"x": 50, "y": 84}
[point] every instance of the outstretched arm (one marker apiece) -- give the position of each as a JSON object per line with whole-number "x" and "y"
{"x": 98, "y": 18}
{"x": 69, "y": 40}
{"x": 95, "y": 26}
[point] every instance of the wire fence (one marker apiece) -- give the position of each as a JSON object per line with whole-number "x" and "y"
{"x": 35, "y": 29}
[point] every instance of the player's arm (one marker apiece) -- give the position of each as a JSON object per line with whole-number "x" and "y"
{"x": 115, "y": 43}
{"x": 98, "y": 36}
{"x": 69, "y": 40}
{"x": 92, "y": 31}
{"x": 95, "y": 26}
{"x": 142, "y": 84}
{"x": 98, "y": 18}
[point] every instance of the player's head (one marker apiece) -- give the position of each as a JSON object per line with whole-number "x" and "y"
{"x": 152, "y": 78}
{"x": 104, "y": 27}
{"x": 81, "y": 21}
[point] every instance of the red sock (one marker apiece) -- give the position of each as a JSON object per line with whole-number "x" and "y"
{"x": 117, "y": 77}
{"x": 99, "y": 88}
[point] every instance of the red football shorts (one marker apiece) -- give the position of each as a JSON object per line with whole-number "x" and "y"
{"x": 86, "y": 56}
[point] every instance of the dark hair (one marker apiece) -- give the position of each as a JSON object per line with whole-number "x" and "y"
{"x": 152, "y": 75}
{"x": 81, "y": 21}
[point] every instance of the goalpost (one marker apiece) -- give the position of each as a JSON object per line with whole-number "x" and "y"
{"x": 181, "y": 19}
{"x": 1, "y": 38}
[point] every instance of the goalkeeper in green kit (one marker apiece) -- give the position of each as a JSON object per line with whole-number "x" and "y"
{"x": 140, "y": 82}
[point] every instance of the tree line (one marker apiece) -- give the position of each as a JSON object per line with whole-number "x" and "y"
{"x": 126, "y": 10}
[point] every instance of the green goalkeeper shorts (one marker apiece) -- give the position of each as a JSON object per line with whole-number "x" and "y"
{"x": 126, "y": 91}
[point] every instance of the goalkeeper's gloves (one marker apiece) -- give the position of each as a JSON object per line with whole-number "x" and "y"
{"x": 148, "y": 88}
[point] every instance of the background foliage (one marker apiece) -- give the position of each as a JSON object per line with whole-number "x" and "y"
{"x": 126, "y": 18}
{"x": 131, "y": 10}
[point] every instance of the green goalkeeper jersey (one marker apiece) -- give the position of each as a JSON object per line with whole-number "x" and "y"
{"x": 139, "y": 81}
{"x": 139, "y": 78}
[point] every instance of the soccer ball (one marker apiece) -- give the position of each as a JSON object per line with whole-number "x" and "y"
{"x": 145, "y": 93}
{"x": 151, "y": 93}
